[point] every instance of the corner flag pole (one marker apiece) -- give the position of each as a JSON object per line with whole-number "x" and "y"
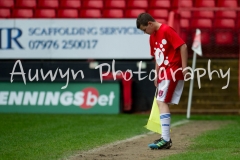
{"x": 191, "y": 86}
{"x": 197, "y": 48}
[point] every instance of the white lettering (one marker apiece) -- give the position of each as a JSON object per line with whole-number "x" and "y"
{"x": 174, "y": 73}
{"x": 41, "y": 98}
{"x": 191, "y": 74}
{"x": 30, "y": 98}
{"x": 53, "y": 77}
{"x": 199, "y": 76}
{"x": 111, "y": 97}
{"x": 35, "y": 77}
{"x": 62, "y": 76}
{"x": 211, "y": 72}
{"x": 102, "y": 100}
{"x": 75, "y": 75}
{"x": 164, "y": 77}
{"x": 139, "y": 72}
{"x": 3, "y": 97}
{"x": 66, "y": 98}
{"x": 118, "y": 72}
{"x": 15, "y": 98}
{"x": 78, "y": 98}
{"x": 18, "y": 73}
{"x": 52, "y": 98}
{"x": 150, "y": 75}
{"x": 224, "y": 75}
{"x": 100, "y": 70}
{"x": 91, "y": 99}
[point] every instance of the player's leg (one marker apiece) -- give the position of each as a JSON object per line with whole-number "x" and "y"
{"x": 165, "y": 119}
{"x": 169, "y": 92}
{"x": 165, "y": 141}
{"x": 166, "y": 91}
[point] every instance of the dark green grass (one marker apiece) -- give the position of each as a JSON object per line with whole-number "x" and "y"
{"x": 221, "y": 144}
{"x": 42, "y": 137}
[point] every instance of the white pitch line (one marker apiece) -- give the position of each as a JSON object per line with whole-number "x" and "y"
{"x": 180, "y": 123}
{"x": 129, "y": 139}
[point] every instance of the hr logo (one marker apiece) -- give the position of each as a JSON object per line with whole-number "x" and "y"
{"x": 9, "y": 38}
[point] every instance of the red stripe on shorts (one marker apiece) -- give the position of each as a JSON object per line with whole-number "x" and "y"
{"x": 171, "y": 88}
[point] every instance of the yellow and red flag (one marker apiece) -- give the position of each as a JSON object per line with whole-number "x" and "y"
{"x": 153, "y": 123}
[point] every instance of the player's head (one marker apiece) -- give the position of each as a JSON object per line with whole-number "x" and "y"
{"x": 145, "y": 22}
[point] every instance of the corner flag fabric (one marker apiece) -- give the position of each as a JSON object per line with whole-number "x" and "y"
{"x": 154, "y": 119}
{"x": 197, "y": 47}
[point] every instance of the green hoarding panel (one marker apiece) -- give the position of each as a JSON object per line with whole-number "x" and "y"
{"x": 43, "y": 97}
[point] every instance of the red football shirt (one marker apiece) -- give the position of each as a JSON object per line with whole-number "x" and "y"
{"x": 164, "y": 45}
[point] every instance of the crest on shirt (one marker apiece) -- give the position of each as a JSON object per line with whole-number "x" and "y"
{"x": 160, "y": 93}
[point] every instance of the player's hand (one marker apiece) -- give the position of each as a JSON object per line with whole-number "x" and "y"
{"x": 187, "y": 75}
{"x": 155, "y": 83}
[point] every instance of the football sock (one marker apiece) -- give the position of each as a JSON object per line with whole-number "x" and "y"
{"x": 165, "y": 120}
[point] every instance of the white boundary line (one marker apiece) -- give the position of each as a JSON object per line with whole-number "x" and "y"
{"x": 126, "y": 140}
{"x": 180, "y": 123}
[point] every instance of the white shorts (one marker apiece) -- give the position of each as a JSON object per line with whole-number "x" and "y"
{"x": 170, "y": 91}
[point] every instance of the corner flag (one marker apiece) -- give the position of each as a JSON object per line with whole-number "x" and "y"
{"x": 154, "y": 118}
{"x": 197, "y": 49}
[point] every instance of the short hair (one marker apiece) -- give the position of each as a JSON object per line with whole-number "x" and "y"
{"x": 143, "y": 19}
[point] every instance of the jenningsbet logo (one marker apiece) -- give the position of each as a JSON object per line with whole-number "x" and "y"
{"x": 85, "y": 99}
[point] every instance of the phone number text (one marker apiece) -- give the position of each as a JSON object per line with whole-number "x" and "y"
{"x": 64, "y": 44}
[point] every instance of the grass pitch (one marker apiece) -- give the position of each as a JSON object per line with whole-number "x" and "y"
{"x": 218, "y": 144}
{"x": 46, "y": 136}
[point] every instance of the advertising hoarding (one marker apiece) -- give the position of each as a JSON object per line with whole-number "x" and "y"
{"x": 47, "y": 97}
{"x": 72, "y": 39}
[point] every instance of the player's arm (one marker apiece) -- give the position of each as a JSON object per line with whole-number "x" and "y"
{"x": 156, "y": 65}
{"x": 177, "y": 42}
{"x": 157, "y": 70}
{"x": 184, "y": 56}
